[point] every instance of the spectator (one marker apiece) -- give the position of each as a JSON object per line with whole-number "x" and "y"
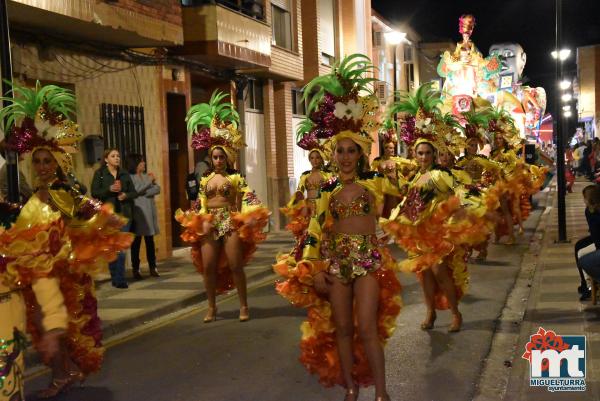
{"x": 590, "y": 263}
{"x": 112, "y": 184}
{"x": 145, "y": 218}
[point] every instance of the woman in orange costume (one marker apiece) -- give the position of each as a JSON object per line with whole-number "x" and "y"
{"x": 227, "y": 221}
{"x": 431, "y": 223}
{"x": 301, "y": 206}
{"x": 58, "y": 232}
{"x": 342, "y": 274}
{"x": 390, "y": 162}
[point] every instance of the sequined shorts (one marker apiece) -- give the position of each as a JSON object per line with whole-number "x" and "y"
{"x": 221, "y": 221}
{"x": 351, "y": 255}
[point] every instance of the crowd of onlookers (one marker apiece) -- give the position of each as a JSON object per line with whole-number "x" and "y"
{"x": 130, "y": 190}
{"x": 583, "y": 159}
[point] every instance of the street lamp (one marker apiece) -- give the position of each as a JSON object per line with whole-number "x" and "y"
{"x": 394, "y": 38}
{"x": 560, "y": 127}
{"x": 562, "y": 55}
{"x": 567, "y": 107}
{"x": 565, "y": 84}
{"x": 567, "y": 113}
{"x": 566, "y": 97}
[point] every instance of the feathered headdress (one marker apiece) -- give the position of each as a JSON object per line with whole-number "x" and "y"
{"x": 38, "y": 118}
{"x": 501, "y": 123}
{"x": 476, "y": 124}
{"x": 215, "y": 124}
{"x": 342, "y": 105}
{"x": 423, "y": 122}
{"x": 388, "y": 131}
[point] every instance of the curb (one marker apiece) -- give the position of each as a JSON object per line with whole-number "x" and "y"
{"x": 493, "y": 381}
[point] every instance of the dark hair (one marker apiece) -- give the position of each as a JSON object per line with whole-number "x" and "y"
{"x": 592, "y": 194}
{"x": 132, "y": 161}
{"x": 107, "y": 152}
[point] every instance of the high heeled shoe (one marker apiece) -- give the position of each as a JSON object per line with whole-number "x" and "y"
{"x": 211, "y": 315}
{"x": 383, "y": 398}
{"x": 456, "y": 323}
{"x": 244, "y": 314}
{"x": 429, "y": 321}
{"x": 351, "y": 394}
{"x": 56, "y": 387}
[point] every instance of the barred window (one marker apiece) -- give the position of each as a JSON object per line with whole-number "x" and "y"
{"x": 123, "y": 128}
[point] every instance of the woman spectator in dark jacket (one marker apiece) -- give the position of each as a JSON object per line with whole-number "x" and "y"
{"x": 145, "y": 218}
{"x": 590, "y": 263}
{"x": 112, "y": 184}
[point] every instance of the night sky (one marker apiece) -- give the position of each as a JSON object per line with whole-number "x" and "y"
{"x": 530, "y": 23}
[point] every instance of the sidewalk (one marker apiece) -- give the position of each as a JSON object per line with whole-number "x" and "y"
{"x": 545, "y": 295}
{"x": 179, "y": 286}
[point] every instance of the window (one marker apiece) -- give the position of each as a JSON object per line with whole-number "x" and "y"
{"x": 123, "y": 128}
{"x": 281, "y": 21}
{"x": 408, "y": 53}
{"x": 298, "y": 104}
{"x": 254, "y": 95}
{"x": 326, "y": 59}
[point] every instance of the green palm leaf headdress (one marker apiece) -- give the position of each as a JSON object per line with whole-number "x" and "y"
{"x": 500, "y": 122}
{"x": 341, "y": 102}
{"x": 38, "y": 118}
{"x": 215, "y": 124}
{"x": 422, "y": 120}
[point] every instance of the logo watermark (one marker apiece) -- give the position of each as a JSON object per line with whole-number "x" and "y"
{"x": 556, "y": 362}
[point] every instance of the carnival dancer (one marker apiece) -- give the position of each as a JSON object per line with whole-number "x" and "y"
{"x": 342, "y": 274}
{"x": 227, "y": 221}
{"x": 519, "y": 179}
{"x": 390, "y": 162}
{"x": 431, "y": 223}
{"x": 59, "y": 233}
{"x": 302, "y": 205}
{"x": 13, "y": 341}
{"x": 483, "y": 173}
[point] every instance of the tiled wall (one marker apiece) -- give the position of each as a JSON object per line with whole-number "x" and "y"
{"x": 130, "y": 85}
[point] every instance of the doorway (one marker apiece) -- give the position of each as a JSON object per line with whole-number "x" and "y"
{"x": 178, "y": 160}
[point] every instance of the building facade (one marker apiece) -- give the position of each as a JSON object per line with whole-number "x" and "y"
{"x": 136, "y": 66}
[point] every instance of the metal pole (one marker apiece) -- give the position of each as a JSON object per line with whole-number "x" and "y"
{"x": 6, "y": 75}
{"x": 560, "y": 139}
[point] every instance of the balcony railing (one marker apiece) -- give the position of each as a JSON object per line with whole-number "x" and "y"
{"x": 251, "y": 8}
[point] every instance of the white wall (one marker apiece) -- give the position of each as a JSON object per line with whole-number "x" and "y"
{"x": 255, "y": 158}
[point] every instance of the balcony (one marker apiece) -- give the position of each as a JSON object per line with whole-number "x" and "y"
{"x": 252, "y": 8}
{"x": 225, "y": 36}
{"x": 98, "y": 21}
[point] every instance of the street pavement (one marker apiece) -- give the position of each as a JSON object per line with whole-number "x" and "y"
{"x": 158, "y": 348}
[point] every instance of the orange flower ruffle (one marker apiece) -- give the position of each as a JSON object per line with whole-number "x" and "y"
{"x": 198, "y": 225}
{"x": 434, "y": 238}
{"x": 318, "y": 344}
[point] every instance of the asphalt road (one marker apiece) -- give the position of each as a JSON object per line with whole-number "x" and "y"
{"x": 186, "y": 360}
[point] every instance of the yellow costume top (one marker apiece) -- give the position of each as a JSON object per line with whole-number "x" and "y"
{"x": 236, "y": 190}
{"x": 376, "y": 184}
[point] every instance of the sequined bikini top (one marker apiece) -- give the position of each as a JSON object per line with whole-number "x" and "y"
{"x": 223, "y": 190}
{"x": 360, "y": 206}
{"x": 310, "y": 186}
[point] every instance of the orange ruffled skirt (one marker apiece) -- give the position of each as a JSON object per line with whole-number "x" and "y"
{"x": 197, "y": 227}
{"x": 93, "y": 244}
{"x": 442, "y": 237}
{"x": 318, "y": 344}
